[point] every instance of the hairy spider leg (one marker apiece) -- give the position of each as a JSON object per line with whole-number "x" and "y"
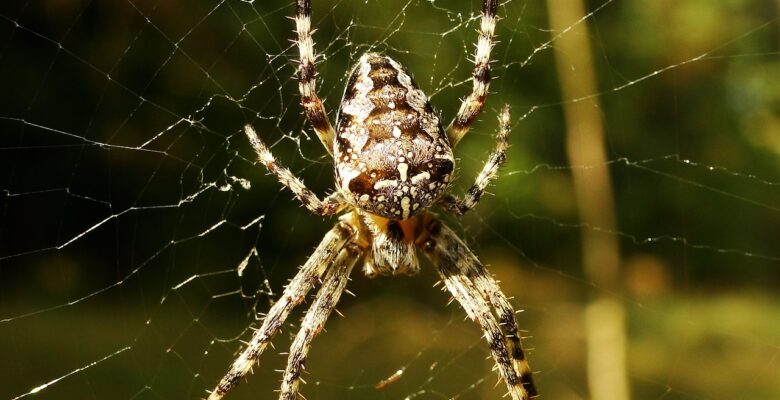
{"x": 475, "y": 102}
{"x": 489, "y": 171}
{"x": 331, "y": 205}
{"x": 307, "y": 77}
{"x": 308, "y": 275}
{"x": 324, "y": 303}
{"x": 472, "y": 286}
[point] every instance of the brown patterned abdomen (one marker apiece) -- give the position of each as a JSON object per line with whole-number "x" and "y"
{"x": 392, "y": 156}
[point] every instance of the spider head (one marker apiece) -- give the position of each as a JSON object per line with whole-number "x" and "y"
{"x": 392, "y": 156}
{"x": 392, "y": 245}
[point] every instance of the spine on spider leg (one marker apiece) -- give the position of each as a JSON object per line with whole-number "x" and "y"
{"x": 508, "y": 322}
{"x": 473, "y": 286}
{"x": 307, "y": 73}
{"x": 472, "y": 106}
{"x": 507, "y": 319}
{"x": 481, "y": 73}
{"x": 489, "y": 170}
{"x": 307, "y": 76}
{"x": 324, "y": 303}
{"x": 478, "y": 310}
{"x": 331, "y": 205}
{"x": 308, "y": 275}
{"x": 495, "y": 161}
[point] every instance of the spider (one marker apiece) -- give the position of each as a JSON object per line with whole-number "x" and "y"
{"x": 393, "y": 162}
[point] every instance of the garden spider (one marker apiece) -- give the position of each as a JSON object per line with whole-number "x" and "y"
{"x": 393, "y": 161}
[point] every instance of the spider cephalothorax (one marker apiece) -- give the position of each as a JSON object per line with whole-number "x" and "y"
{"x": 393, "y": 162}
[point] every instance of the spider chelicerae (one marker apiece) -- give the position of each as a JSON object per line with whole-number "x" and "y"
{"x": 393, "y": 162}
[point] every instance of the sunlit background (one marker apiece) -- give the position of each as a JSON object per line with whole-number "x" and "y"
{"x": 637, "y": 220}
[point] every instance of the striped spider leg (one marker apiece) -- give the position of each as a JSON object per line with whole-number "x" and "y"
{"x": 460, "y": 206}
{"x": 473, "y": 104}
{"x": 336, "y": 248}
{"x": 469, "y": 282}
{"x": 307, "y": 77}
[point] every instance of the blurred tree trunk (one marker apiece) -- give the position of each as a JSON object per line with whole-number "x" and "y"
{"x": 604, "y": 316}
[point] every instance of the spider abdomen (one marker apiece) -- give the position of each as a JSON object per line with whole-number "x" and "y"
{"x": 392, "y": 156}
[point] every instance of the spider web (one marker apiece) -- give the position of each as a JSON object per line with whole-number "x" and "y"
{"x": 139, "y": 242}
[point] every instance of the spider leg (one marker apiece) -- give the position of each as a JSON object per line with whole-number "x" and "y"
{"x": 307, "y": 77}
{"x": 308, "y": 275}
{"x": 331, "y": 205}
{"x": 471, "y": 284}
{"x": 328, "y": 296}
{"x": 489, "y": 171}
{"x": 473, "y": 104}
